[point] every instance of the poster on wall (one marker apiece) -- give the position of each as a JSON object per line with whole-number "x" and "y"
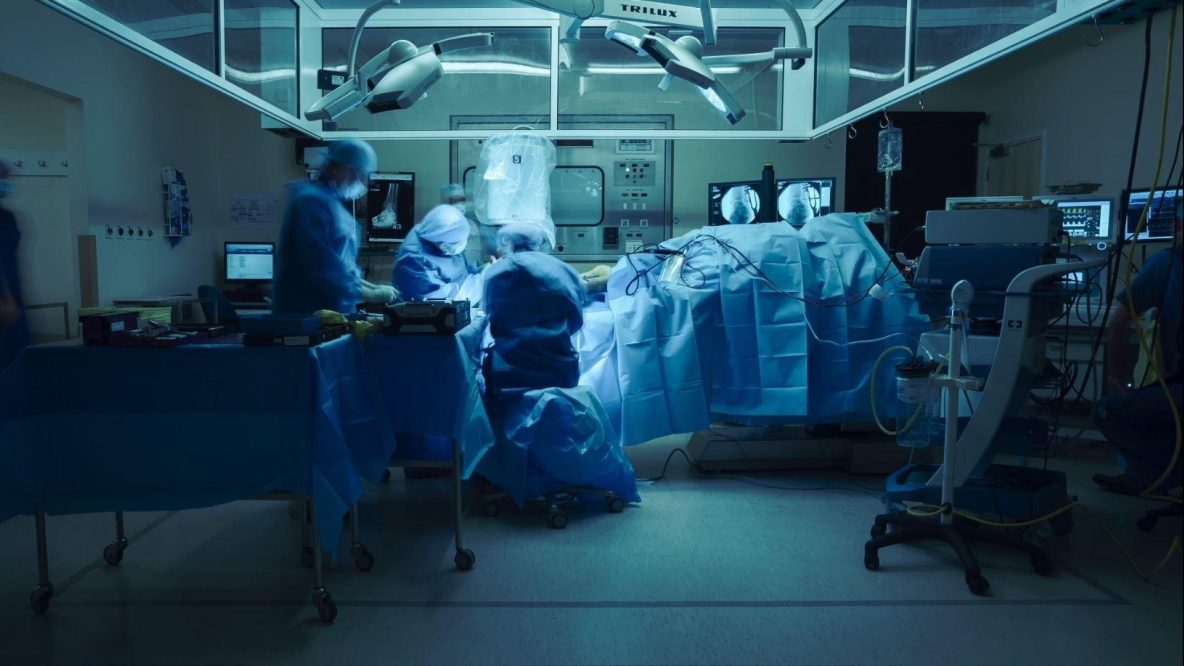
{"x": 178, "y": 216}
{"x": 254, "y": 210}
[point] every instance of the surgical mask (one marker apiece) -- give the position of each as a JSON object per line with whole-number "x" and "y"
{"x": 452, "y": 249}
{"x": 5, "y": 188}
{"x": 352, "y": 192}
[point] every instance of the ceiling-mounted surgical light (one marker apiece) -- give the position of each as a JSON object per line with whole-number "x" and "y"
{"x": 683, "y": 58}
{"x": 396, "y": 78}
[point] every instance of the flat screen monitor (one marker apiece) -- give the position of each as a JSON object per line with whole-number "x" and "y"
{"x": 1086, "y": 219}
{"x": 973, "y": 202}
{"x": 1161, "y": 218}
{"x": 388, "y": 209}
{"x": 800, "y": 199}
{"x": 733, "y": 203}
{"x": 250, "y": 262}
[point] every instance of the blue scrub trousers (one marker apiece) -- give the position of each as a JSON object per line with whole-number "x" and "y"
{"x": 1140, "y": 426}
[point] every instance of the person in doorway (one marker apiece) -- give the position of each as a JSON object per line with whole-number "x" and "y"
{"x": 14, "y": 327}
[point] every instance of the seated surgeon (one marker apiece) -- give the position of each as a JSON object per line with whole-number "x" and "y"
{"x": 316, "y": 263}
{"x": 1138, "y": 422}
{"x": 533, "y": 301}
{"x": 431, "y": 263}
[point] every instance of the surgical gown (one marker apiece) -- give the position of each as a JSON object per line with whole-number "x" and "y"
{"x": 533, "y": 301}
{"x": 422, "y": 272}
{"x": 316, "y": 264}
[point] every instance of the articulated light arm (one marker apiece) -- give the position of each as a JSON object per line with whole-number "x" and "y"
{"x": 396, "y": 78}
{"x": 356, "y": 40}
{"x": 799, "y": 30}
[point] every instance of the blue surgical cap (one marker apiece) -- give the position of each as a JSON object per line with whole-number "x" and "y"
{"x": 525, "y": 236}
{"x": 452, "y": 191}
{"x": 354, "y": 153}
{"x": 444, "y": 225}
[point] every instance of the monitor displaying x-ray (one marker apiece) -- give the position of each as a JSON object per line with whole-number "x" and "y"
{"x": 801, "y": 199}
{"x": 733, "y": 203}
{"x": 388, "y": 209}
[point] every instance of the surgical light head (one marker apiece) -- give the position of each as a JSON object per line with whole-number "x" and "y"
{"x": 396, "y": 78}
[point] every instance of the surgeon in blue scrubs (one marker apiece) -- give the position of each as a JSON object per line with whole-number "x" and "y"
{"x": 431, "y": 263}
{"x": 534, "y": 302}
{"x": 317, "y": 255}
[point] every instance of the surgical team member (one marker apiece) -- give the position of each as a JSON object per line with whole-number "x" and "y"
{"x": 317, "y": 255}
{"x": 14, "y": 327}
{"x": 534, "y": 303}
{"x": 1138, "y": 422}
{"x": 431, "y": 263}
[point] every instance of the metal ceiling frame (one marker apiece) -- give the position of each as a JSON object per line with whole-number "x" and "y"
{"x": 797, "y": 87}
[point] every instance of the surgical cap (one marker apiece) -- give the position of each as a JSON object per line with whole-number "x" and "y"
{"x": 452, "y": 191}
{"x": 444, "y": 225}
{"x": 525, "y": 236}
{"x": 353, "y": 153}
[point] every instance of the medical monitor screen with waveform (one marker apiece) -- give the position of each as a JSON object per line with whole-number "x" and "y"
{"x": 1086, "y": 219}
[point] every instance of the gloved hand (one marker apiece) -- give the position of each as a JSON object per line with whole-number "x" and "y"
{"x": 380, "y": 294}
{"x": 596, "y": 280}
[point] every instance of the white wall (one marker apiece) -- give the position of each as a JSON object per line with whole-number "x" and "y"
{"x": 1081, "y": 100}
{"x": 42, "y": 204}
{"x": 138, "y": 116}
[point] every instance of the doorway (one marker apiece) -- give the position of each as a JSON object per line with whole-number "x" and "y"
{"x": 940, "y": 160}
{"x": 1015, "y": 168}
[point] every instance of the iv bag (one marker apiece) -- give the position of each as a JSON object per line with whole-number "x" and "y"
{"x": 889, "y": 157}
{"x": 513, "y": 179}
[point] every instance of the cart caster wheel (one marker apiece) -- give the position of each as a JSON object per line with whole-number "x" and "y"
{"x": 878, "y": 531}
{"x": 1062, "y": 525}
{"x": 616, "y": 505}
{"x": 977, "y": 584}
{"x": 464, "y": 559}
{"x": 306, "y": 557}
{"x": 39, "y": 599}
{"x": 1146, "y": 523}
{"x": 557, "y": 520}
{"x": 326, "y": 607}
{"x": 491, "y": 509}
{"x": 1042, "y": 564}
{"x": 363, "y": 558}
{"x": 386, "y": 475}
{"x": 871, "y": 561}
{"x": 113, "y": 553}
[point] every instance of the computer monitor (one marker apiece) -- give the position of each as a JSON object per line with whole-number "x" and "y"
{"x": 800, "y": 199}
{"x": 388, "y": 209}
{"x": 733, "y": 203}
{"x": 1161, "y": 219}
{"x": 1086, "y": 219}
{"x": 250, "y": 262}
{"x": 976, "y": 202}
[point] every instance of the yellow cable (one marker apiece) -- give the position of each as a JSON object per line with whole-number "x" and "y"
{"x": 930, "y": 510}
{"x": 875, "y": 412}
{"x": 1143, "y": 344}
